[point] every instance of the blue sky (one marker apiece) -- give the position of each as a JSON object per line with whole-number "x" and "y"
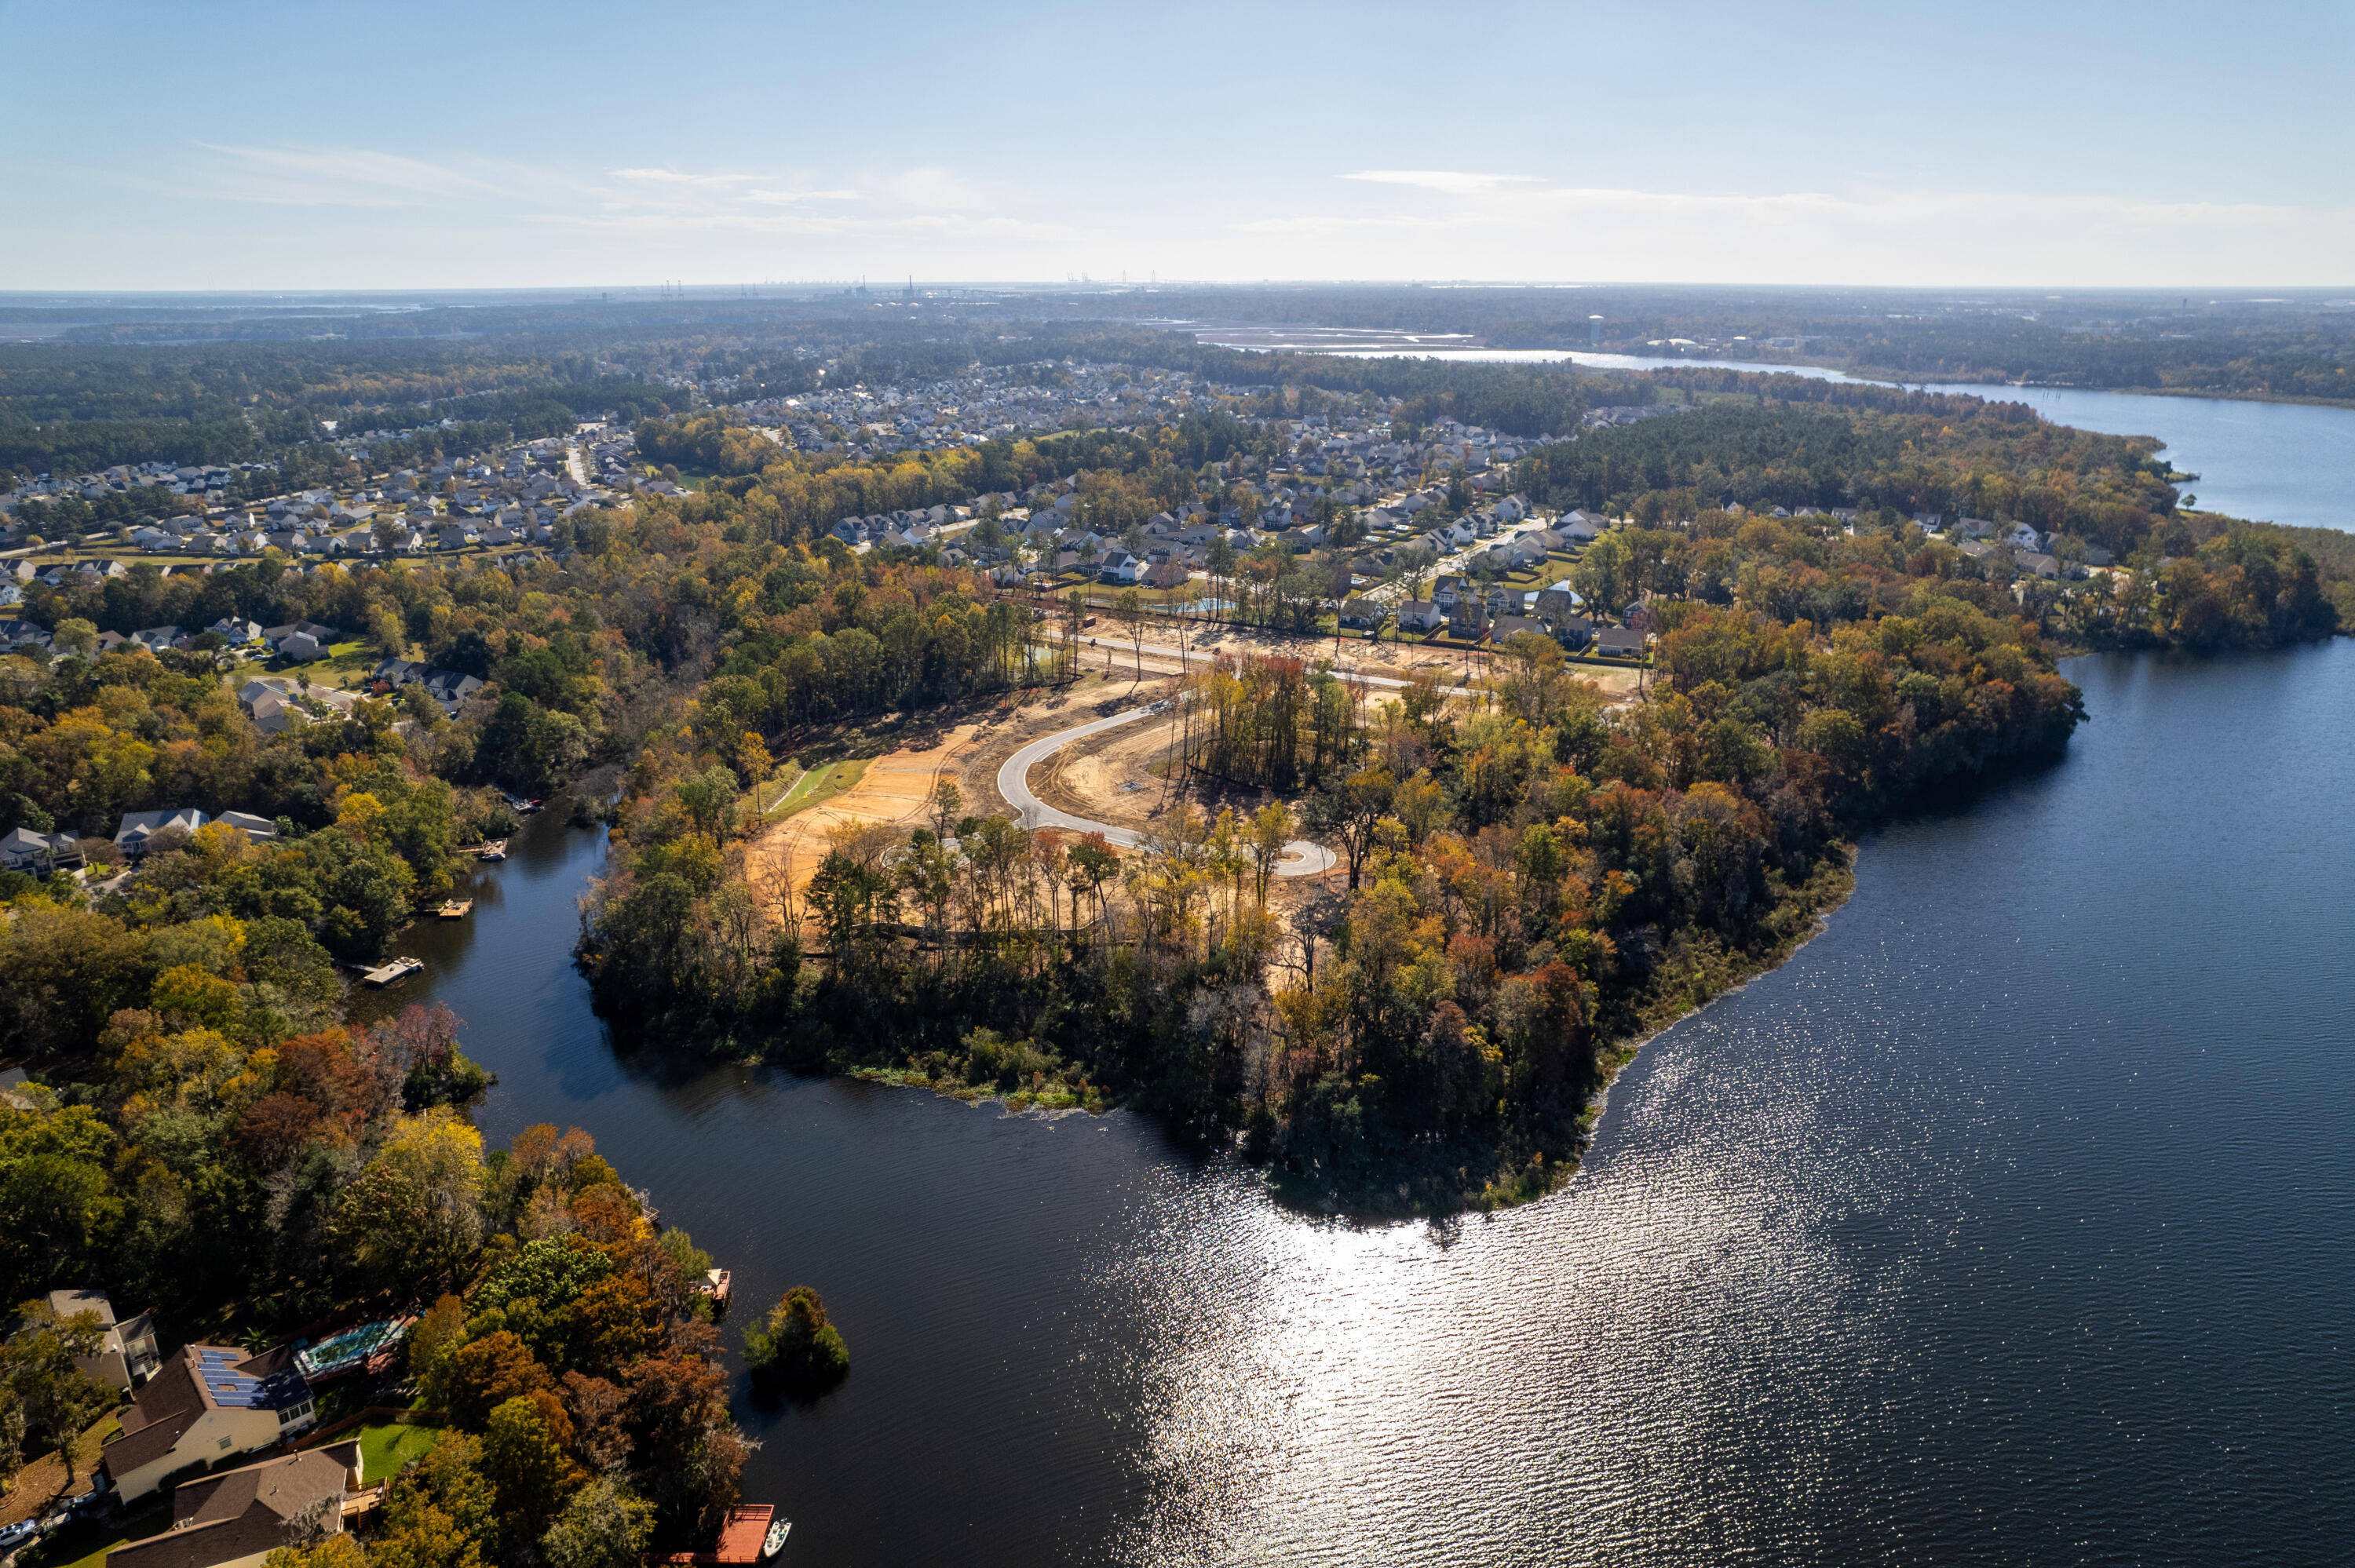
{"x": 327, "y": 145}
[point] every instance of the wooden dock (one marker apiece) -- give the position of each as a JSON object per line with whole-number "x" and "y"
{"x": 385, "y": 974}
{"x": 456, "y": 909}
{"x": 496, "y": 848}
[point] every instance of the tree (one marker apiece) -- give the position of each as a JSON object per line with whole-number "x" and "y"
{"x": 75, "y": 635}
{"x": 604, "y": 1526}
{"x": 1271, "y": 830}
{"x": 56, "y": 1399}
{"x": 524, "y": 1460}
{"x": 414, "y": 1215}
{"x": 1130, "y": 609}
{"x": 485, "y": 1374}
{"x": 1352, "y": 812}
{"x": 340, "y": 1550}
{"x": 678, "y": 1426}
{"x": 946, "y": 807}
{"x": 1835, "y": 735}
{"x": 441, "y": 1512}
{"x": 797, "y": 1350}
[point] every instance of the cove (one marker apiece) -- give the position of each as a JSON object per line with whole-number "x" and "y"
{"x": 2006, "y": 1223}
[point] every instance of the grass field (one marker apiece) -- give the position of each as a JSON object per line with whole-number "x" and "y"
{"x": 821, "y": 783}
{"x": 384, "y": 1450}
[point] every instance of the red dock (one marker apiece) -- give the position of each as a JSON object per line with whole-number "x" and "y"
{"x": 743, "y": 1539}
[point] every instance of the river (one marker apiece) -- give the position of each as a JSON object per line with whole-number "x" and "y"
{"x": 2006, "y": 1223}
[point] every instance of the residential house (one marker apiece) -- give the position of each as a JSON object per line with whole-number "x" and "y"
{"x": 1501, "y": 630}
{"x": 1363, "y": 614}
{"x": 127, "y": 1356}
{"x": 1165, "y": 576}
{"x": 1638, "y": 617}
{"x": 257, "y": 829}
{"x": 156, "y": 639}
{"x": 22, "y": 849}
{"x": 235, "y": 1519}
{"x": 1421, "y": 615}
{"x": 1447, "y": 589}
{"x": 1573, "y": 631}
{"x": 276, "y": 636}
{"x": 136, "y": 828}
{"x": 1558, "y": 600}
{"x": 1119, "y": 567}
{"x": 1619, "y": 642}
{"x": 203, "y": 1404}
{"x": 1468, "y": 617}
{"x": 2036, "y": 561}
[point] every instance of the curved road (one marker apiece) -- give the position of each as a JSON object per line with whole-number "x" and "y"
{"x": 1302, "y": 858}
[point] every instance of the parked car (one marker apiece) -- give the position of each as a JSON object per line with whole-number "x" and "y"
{"x": 12, "y": 1536}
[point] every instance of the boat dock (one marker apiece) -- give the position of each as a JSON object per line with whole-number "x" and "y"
{"x": 456, "y": 909}
{"x": 385, "y": 974}
{"x": 751, "y": 1532}
{"x": 496, "y": 848}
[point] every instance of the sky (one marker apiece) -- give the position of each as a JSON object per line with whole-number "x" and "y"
{"x": 326, "y": 145}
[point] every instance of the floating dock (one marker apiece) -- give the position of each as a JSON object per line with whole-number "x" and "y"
{"x": 456, "y": 909}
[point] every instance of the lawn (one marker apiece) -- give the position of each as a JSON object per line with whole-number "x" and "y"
{"x": 821, "y": 783}
{"x": 385, "y": 1449}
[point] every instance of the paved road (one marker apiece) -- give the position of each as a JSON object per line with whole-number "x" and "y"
{"x": 1302, "y": 858}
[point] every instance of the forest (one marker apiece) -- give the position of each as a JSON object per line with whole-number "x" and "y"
{"x": 230, "y": 1152}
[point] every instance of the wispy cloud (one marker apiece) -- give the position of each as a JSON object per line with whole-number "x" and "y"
{"x": 788, "y": 198}
{"x": 349, "y": 176}
{"x": 934, "y": 187}
{"x": 676, "y": 177}
{"x": 1455, "y": 180}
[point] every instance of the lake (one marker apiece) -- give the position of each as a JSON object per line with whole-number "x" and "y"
{"x": 2008, "y": 1223}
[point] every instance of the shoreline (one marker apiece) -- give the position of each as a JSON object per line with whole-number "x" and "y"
{"x": 1831, "y": 887}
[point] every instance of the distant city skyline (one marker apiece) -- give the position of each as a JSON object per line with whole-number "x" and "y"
{"x": 267, "y": 146}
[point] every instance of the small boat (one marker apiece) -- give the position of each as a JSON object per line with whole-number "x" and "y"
{"x": 456, "y": 908}
{"x": 496, "y": 848}
{"x": 773, "y": 1542}
{"x": 715, "y": 1285}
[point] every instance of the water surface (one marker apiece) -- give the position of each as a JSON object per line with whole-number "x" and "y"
{"x": 2008, "y": 1223}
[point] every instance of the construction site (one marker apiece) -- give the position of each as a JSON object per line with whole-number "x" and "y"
{"x": 1098, "y": 756}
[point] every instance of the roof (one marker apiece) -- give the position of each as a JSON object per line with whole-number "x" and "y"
{"x": 145, "y": 824}
{"x": 240, "y": 1513}
{"x": 200, "y": 1378}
